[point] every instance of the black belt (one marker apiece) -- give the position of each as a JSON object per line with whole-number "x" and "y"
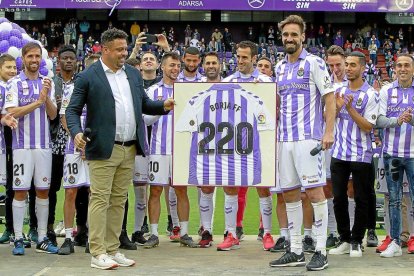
{"x": 126, "y": 143}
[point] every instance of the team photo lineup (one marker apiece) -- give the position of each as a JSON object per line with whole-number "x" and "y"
{"x": 319, "y": 137}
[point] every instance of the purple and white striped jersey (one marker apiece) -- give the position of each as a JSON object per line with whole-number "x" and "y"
{"x": 351, "y": 143}
{"x": 394, "y": 100}
{"x": 2, "y": 111}
{"x": 225, "y": 121}
{"x": 182, "y": 78}
{"x": 301, "y": 86}
{"x": 161, "y": 134}
{"x": 239, "y": 77}
{"x": 67, "y": 94}
{"x": 33, "y": 128}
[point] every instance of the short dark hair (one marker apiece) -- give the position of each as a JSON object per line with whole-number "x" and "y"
{"x": 249, "y": 44}
{"x": 112, "y": 34}
{"x": 265, "y": 58}
{"x": 293, "y": 19}
{"x": 66, "y": 48}
{"x": 172, "y": 55}
{"x": 148, "y": 52}
{"x": 212, "y": 54}
{"x": 335, "y": 50}
{"x": 360, "y": 56}
{"x": 192, "y": 51}
{"x": 133, "y": 62}
{"x": 406, "y": 55}
{"x": 29, "y": 46}
{"x": 6, "y": 57}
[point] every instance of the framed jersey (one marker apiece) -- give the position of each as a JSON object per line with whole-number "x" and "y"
{"x": 224, "y": 134}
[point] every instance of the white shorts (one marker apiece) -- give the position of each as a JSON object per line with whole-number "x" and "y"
{"x": 159, "y": 169}
{"x": 3, "y": 169}
{"x": 141, "y": 170}
{"x": 297, "y": 168}
{"x": 75, "y": 172}
{"x": 381, "y": 181}
{"x": 328, "y": 158}
{"x": 32, "y": 163}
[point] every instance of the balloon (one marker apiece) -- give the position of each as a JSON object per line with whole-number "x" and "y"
{"x": 50, "y": 74}
{"x": 49, "y": 64}
{"x": 43, "y": 71}
{"x": 27, "y": 37}
{"x": 16, "y": 33}
{"x": 4, "y": 35}
{"x": 19, "y": 63}
{"x": 14, "y": 52}
{"x": 15, "y": 26}
{"x": 24, "y": 42}
{"x": 23, "y": 31}
{"x": 45, "y": 54}
{"x": 3, "y": 19}
{"x": 6, "y": 26}
{"x": 4, "y": 46}
{"x": 14, "y": 41}
{"x": 43, "y": 63}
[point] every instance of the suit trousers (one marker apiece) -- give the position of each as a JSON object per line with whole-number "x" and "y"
{"x": 110, "y": 180}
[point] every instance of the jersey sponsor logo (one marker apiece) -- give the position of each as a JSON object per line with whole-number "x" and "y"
{"x": 71, "y": 179}
{"x": 17, "y": 181}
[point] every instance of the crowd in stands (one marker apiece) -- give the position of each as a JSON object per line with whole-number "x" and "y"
{"x": 387, "y": 41}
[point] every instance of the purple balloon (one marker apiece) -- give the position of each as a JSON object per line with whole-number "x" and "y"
{"x": 4, "y": 46}
{"x": 3, "y": 19}
{"x": 14, "y": 41}
{"x": 19, "y": 64}
{"x": 43, "y": 63}
{"x": 16, "y": 33}
{"x": 24, "y": 42}
{"x": 15, "y": 26}
{"x": 43, "y": 71}
{"x": 23, "y": 31}
{"x": 4, "y": 35}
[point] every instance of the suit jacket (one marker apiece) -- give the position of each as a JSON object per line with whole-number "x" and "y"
{"x": 92, "y": 88}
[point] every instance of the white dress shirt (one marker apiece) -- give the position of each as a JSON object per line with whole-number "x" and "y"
{"x": 124, "y": 108}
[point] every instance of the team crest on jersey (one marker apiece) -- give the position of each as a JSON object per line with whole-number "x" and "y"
{"x": 65, "y": 103}
{"x": 378, "y": 185}
{"x": 9, "y": 97}
{"x": 44, "y": 179}
{"x": 151, "y": 177}
{"x": 17, "y": 181}
{"x": 261, "y": 118}
{"x": 405, "y": 184}
{"x": 359, "y": 102}
{"x": 374, "y": 117}
{"x": 301, "y": 72}
{"x": 192, "y": 122}
{"x": 71, "y": 179}
{"x": 303, "y": 177}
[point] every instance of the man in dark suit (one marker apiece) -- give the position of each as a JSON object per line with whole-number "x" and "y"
{"x": 115, "y": 100}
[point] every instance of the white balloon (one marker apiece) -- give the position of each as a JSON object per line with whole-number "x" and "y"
{"x": 27, "y": 37}
{"x": 6, "y": 26}
{"x": 14, "y": 52}
{"x": 50, "y": 74}
{"x": 45, "y": 54}
{"x": 49, "y": 64}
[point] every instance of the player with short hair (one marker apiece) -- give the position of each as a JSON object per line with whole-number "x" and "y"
{"x": 303, "y": 83}
{"x": 395, "y": 117}
{"x": 75, "y": 169}
{"x": 352, "y": 152}
{"x": 30, "y": 97}
{"x": 8, "y": 70}
{"x": 246, "y": 57}
{"x": 160, "y": 155}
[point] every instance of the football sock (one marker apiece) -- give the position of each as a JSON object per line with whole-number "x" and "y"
{"x": 140, "y": 206}
{"x": 18, "y": 217}
{"x": 284, "y": 232}
{"x": 320, "y": 210}
{"x": 266, "y": 212}
{"x": 230, "y": 213}
{"x": 183, "y": 228}
{"x": 241, "y": 205}
{"x": 69, "y": 233}
{"x": 42, "y": 213}
{"x": 172, "y": 198}
{"x": 206, "y": 210}
{"x": 295, "y": 218}
{"x": 154, "y": 229}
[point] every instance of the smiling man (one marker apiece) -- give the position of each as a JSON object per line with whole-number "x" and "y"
{"x": 115, "y": 97}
